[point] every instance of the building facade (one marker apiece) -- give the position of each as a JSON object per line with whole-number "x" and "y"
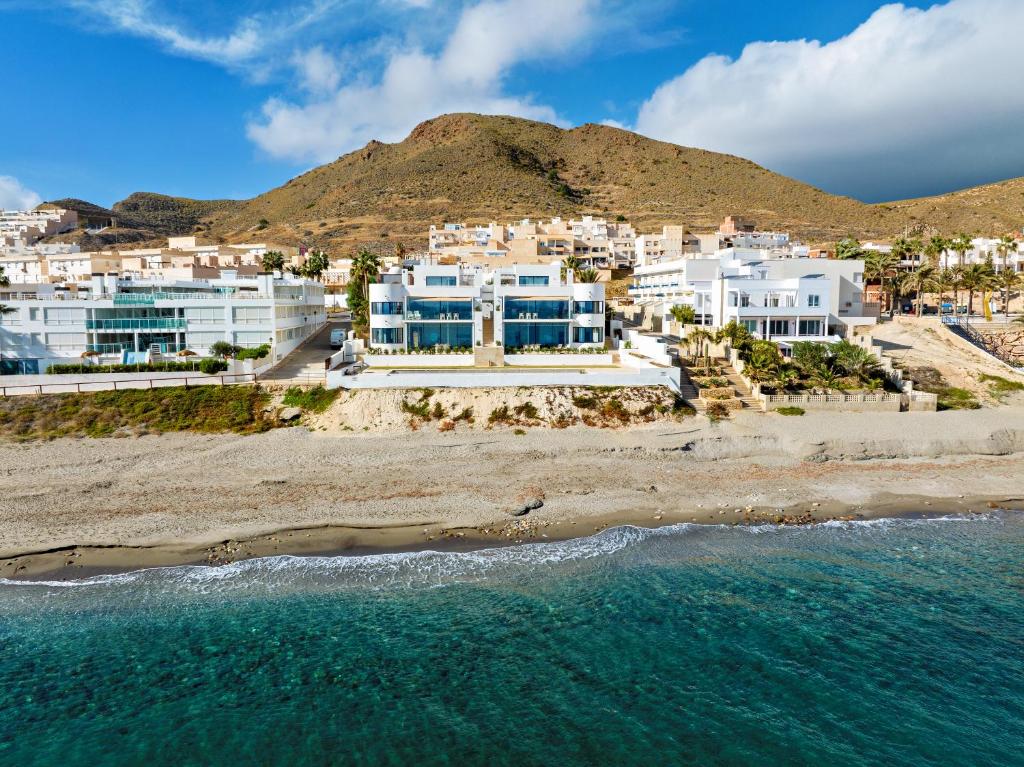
{"x": 451, "y": 306}
{"x": 125, "y": 320}
{"x": 784, "y": 299}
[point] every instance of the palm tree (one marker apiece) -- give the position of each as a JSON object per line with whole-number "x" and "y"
{"x": 916, "y": 249}
{"x": 785, "y": 377}
{"x": 365, "y": 268}
{"x": 849, "y": 247}
{"x": 316, "y": 264}
{"x": 921, "y": 280}
{"x": 570, "y": 264}
{"x": 588, "y": 275}
{"x": 827, "y": 379}
{"x": 701, "y": 338}
{"x": 1008, "y": 280}
{"x": 956, "y": 279}
{"x": 273, "y": 261}
{"x": 737, "y": 335}
{"x": 762, "y": 361}
{"x": 960, "y": 245}
{"x": 879, "y": 265}
{"x": 897, "y": 281}
{"x": 1007, "y": 244}
{"x": 936, "y": 249}
{"x": 901, "y": 250}
{"x": 976, "y": 277}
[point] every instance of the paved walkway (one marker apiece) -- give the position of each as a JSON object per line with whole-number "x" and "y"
{"x": 305, "y": 365}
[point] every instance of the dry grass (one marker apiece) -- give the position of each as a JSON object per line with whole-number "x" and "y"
{"x": 134, "y": 412}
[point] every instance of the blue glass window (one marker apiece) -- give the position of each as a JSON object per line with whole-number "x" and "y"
{"x": 423, "y": 335}
{"x": 588, "y": 335}
{"x": 527, "y": 279}
{"x": 536, "y": 309}
{"x": 439, "y": 309}
{"x": 386, "y": 307}
{"x": 588, "y": 307}
{"x": 442, "y": 281}
{"x": 535, "y": 334}
{"x": 387, "y": 335}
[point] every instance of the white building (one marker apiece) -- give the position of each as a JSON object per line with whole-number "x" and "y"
{"x": 783, "y": 299}
{"x": 985, "y": 248}
{"x": 138, "y": 320}
{"x": 22, "y": 228}
{"x": 453, "y": 306}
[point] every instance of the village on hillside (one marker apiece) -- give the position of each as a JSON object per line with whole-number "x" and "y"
{"x": 728, "y": 319}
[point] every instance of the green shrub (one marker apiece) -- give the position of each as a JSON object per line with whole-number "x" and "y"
{"x": 519, "y": 432}
{"x": 500, "y": 415}
{"x": 790, "y": 411}
{"x": 439, "y": 412}
{"x": 315, "y": 400}
{"x": 142, "y": 367}
{"x": 466, "y": 415}
{"x": 584, "y": 402}
{"x": 419, "y": 409}
{"x": 526, "y": 410}
{"x": 258, "y": 353}
{"x": 212, "y": 367}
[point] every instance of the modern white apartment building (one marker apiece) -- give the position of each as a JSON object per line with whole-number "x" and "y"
{"x": 454, "y": 306}
{"x": 784, "y": 299}
{"x": 127, "y": 320}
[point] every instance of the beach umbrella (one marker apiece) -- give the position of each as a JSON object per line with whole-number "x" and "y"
{"x": 89, "y": 353}
{"x": 186, "y": 353}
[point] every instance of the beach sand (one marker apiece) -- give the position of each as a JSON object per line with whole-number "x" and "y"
{"x": 75, "y": 507}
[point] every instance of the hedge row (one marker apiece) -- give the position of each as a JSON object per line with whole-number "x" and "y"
{"x": 207, "y": 366}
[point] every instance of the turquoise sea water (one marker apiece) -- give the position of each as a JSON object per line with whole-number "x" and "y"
{"x": 891, "y": 642}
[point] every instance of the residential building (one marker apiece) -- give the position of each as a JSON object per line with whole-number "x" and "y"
{"x": 594, "y": 242}
{"x": 784, "y": 299}
{"x": 984, "y": 249}
{"x": 22, "y": 228}
{"x": 464, "y": 307}
{"x": 131, "y": 320}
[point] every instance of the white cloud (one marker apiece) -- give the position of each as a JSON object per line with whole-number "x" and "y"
{"x": 466, "y": 75}
{"x": 140, "y": 18}
{"x": 925, "y": 93}
{"x": 14, "y": 196}
{"x": 318, "y": 70}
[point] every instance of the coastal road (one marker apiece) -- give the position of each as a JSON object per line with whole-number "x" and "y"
{"x": 305, "y": 365}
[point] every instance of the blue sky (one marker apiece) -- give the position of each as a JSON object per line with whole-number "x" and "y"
{"x": 228, "y": 99}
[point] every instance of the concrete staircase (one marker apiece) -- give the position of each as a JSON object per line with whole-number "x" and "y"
{"x": 742, "y": 390}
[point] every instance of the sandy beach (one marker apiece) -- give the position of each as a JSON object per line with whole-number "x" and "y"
{"x": 76, "y": 506}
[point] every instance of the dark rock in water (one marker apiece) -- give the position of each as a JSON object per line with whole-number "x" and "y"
{"x": 289, "y": 414}
{"x": 526, "y": 508}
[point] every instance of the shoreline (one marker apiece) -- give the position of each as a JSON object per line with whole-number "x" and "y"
{"x": 72, "y": 507}
{"x": 77, "y": 562}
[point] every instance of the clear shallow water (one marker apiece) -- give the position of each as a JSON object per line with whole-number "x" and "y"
{"x": 896, "y": 642}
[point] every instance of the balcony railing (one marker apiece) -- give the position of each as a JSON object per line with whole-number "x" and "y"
{"x": 144, "y": 323}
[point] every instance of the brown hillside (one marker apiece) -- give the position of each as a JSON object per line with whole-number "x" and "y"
{"x": 477, "y": 168}
{"x": 465, "y": 167}
{"x": 989, "y": 209}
